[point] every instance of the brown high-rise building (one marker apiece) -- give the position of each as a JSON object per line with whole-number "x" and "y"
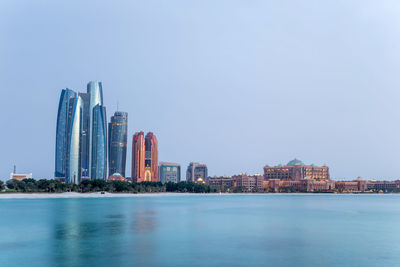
{"x": 144, "y": 157}
{"x": 138, "y": 153}
{"x": 151, "y": 158}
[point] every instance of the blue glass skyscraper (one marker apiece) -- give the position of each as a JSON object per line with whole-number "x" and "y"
{"x": 75, "y": 132}
{"x": 85, "y": 140}
{"x": 98, "y": 120}
{"x": 62, "y": 141}
{"x": 81, "y": 135}
{"x": 68, "y": 138}
{"x": 98, "y": 145}
{"x": 95, "y": 91}
{"x": 117, "y": 143}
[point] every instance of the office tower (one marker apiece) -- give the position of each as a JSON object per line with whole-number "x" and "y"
{"x": 170, "y": 172}
{"x": 144, "y": 157}
{"x": 68, "y": 138}
{"x": 81, "y": 115}
{"x": 95, "y": 91}
{"x": 151, "y": 158}
{"x": 62, "y": 142}
{"x": 75, "y": 129}
{"x": 117, "y": 143}
{"x": 196, "y": 171}
{"x": 98, "y": 145}
{"x": 85, "y": 135}
{"x": 138, "y": 151}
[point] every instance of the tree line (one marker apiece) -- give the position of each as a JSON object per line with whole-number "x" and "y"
{"x": 86, "y": 186}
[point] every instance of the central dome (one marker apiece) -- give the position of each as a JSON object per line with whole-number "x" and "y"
{"x": 295, "y": 162}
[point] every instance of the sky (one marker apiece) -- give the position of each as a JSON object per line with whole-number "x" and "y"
{"x": 232, "y": 84}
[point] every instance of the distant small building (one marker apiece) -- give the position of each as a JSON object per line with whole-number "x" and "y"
{"x": 220, "y": 183}
{"x": 383, "y": 185}
{"x": 20, "y": 176}
{"x": 195, "y": 171}
{"x": 358, "y": 185}
{"x": 169, "y": 172}
{"x": 249, "y": 183}
{"x": 116, "y": 177}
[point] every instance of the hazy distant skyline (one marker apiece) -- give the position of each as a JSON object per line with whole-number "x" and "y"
{"x": 232, "y": 84}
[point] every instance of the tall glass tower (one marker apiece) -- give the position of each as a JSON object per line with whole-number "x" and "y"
{"x": 98, "y": 145}
{"x": 117, "y": 143}
{"x": 85, "y": 140}
{"x": 81, "y": 136}
{"x": 95, "y": 92}
{"x": 75, "y": 132}
{"x": 62, "y": 133}
{"x": 68, "y": 138}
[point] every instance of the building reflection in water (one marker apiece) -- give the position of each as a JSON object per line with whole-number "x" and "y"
{"x": 144, "y": 226}
{"x": 84, "y": 230}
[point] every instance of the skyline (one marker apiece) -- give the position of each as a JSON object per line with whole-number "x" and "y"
{"x": 236, "y": 92}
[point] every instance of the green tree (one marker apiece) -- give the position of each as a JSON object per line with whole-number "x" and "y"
{"x": 2, "y": 185}
{"x": 99, "y": 185}
{"x": 85, "y": 186}
{"x": 11, "y": 184}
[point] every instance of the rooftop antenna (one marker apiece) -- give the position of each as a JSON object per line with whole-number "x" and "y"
{"x": 15, "y": 169}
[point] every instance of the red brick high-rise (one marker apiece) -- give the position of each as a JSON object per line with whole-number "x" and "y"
{"x": 138, "y": 155}
{"x": 151, "y": 158}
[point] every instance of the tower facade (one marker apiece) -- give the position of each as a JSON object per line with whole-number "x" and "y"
{"x": 151, "y": 158}
{"x": 138, "y": 151}
{"x": 196, "y": 171}
{"x": 75, "y": 131}
{"x": 95, "y": 92}
{"x": 117, "y": 143}
{"x": 85, "y": 139}
{"x": 145, "y": 158}
{"x": 169, "y": 172}
{"x": 62, "y": 133}
{"x": 81, "y": 135}
{"x": 99, "y": 141}
{"x": 68, "y": 138}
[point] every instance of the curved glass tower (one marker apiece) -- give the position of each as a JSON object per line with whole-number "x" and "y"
{"x": 95, "y": 92}
{"x": 62, "y": 140}
{"x": 81, "y": 136}
{"x": 98, "y": 144}
{"x": 117, "y": 143}
{"x": 74, "y": 165}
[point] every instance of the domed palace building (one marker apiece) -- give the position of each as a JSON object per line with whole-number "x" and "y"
{"x": 296, "y": 170}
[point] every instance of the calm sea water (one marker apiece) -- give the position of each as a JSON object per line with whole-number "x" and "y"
{"x": 202, "y": 230}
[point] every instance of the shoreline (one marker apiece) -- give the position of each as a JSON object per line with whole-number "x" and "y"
{"x": 163, "y": 194}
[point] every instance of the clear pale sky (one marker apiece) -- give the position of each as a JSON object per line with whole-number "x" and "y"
{"x": 233, "y": 84}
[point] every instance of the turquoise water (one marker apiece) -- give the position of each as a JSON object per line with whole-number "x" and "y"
{"x": 202, "y": 230}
